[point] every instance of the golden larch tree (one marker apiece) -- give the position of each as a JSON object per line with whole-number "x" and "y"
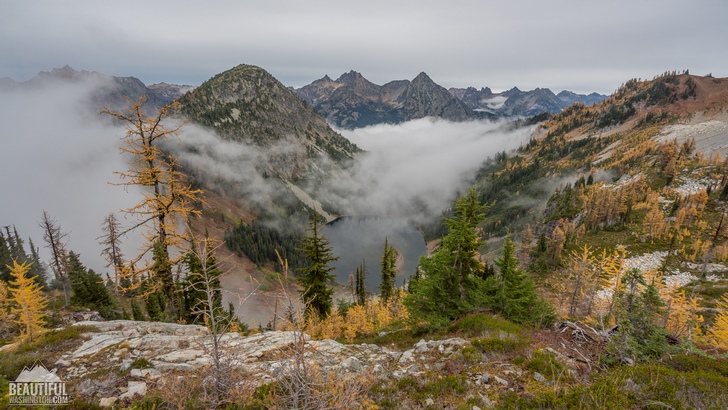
{"x": 27, "y": 301}
{"x": 719, "y": 331}
{"x": 168, "y": 199}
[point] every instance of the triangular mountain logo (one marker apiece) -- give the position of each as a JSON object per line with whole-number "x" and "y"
{"x": 37, "y": 386}
{"x": 38, "y": 374}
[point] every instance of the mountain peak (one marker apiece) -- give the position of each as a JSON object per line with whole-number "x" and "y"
{"x": 350, "y": 78}
{"x": 422, "y": 77}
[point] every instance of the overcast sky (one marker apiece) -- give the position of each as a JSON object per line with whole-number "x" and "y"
{"x": 577, "y": 45}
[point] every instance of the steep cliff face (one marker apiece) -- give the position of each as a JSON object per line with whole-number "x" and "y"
{"x": 352, "y": 101}
{"x": 247, "y": 104}
{"x": 423, "y": 98}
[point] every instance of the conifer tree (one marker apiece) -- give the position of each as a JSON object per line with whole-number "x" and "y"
{"x": 639, "y": 307}
{"x": 6, "y": 324}
{"x": 389, "y": 272}
{"x": 55, "y": 241}
{"x": 450, "y": 282}
{"x": 5, "y": 259}
{"x": 28, "y": 301}
{"x": 111, "y": 241}
{"x": 37, "y": 268}
{"x": 513, "y": 293}
{"x": 202, "y": 277}
{"x": 360, "y": 290}
{"x": 316, "y": 294}
{"x": 168, "y": 200}
{"x": 89, "y": 289}
{"x": 719, "y": 331}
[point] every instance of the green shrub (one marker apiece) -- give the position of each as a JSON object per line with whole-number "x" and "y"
{"x": 471, "y": 354}
{"x": 141, "y": 363}
{"x": 45, "y": 349}
{"x": 547, "y": 365}
{"x": 481, "y": 324}
{"x": 446, "y": 385}
{"x": 497, "y": 345}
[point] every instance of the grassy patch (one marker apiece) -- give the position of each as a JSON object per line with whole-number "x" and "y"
{"x": 683, "y": 382}
{"x": 141, "y": 363}
{"x": 482, "y": 324}
{"x": 547, "y": 365}
{"x": 497, "y": 345}
{"x": 46, "y": 348}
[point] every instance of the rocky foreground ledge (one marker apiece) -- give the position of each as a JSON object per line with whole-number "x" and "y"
{"x": 166, "y": 347}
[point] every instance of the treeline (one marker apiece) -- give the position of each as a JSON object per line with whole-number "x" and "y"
{"x": 12, "y": 248}
{"x": 260, "y": 242}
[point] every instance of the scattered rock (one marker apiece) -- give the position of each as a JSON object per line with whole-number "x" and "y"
{"x": 108, "y": 401}
{"x": 421, "y": 347}
{"x": 485, "y": 378}
{"x": 429, "y": 402}
{"x": 135, "y": 388}
{"x": 351, "y": 364}
{"x": 501, "y": 381}
{"x": 539, "y": 377}
{"x": 407, "y": 356}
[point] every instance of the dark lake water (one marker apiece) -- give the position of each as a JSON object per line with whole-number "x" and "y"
{"x": 354, "y": 239}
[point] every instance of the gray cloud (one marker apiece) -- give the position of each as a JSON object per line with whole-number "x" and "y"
{"x": 421, "y": 165}
{"x": 59, "y": 156}
{"x": 570, "y": 44}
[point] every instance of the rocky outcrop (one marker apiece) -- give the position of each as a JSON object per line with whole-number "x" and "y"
{"x": 146, "y": 351}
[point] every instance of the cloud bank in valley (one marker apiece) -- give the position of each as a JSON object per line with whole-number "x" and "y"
{"x": 414, "y": 169}
{"x": 423, "y": 164}
{"x": 59, "y": 155}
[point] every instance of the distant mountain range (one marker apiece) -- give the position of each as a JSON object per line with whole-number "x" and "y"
{"x": 114, "y": 92}
{"x": 352, "y": 101}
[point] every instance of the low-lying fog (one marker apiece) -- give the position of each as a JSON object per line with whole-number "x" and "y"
{"x": 60, "y": 156}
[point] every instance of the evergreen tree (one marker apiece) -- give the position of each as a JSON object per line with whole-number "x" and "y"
{"x": 316, "y": 294}
{"x": 37, "y": 267}
{"x": 389, "y": 272}
{"x": 55, "y": 242}
{"x": 28, "y": 301}
{"x": 512, "y": 292}
{"x": 360, "y": 292}
{"x": 451, "y": 280}
{"x": 111, "y": 242}
{"x": 5, "y": 259}
{"x": 89, "y": 289}
{"x": 136, "y": 311}
{"x": 200, "y": 277}
{"x": 639, "y": 307}
{"x": 156, "y": 306}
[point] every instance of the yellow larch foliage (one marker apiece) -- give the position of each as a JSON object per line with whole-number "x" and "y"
{"x": 357, "y": 322}
{"x": 611, "y": 266}
{"x": 360, "y": 320}
{"x": 719, "y": 331}
{"x": 168, "y": 199}
{"x": 681, "y": 318}
{"x": 654, "y": 222}
{"x": 28, "y": 301}
{"x": 583, "y": 282}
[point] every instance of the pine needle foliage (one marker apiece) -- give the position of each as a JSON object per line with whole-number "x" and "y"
{"x": 316, "y": 277}
{"x": 512, "y": 293}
